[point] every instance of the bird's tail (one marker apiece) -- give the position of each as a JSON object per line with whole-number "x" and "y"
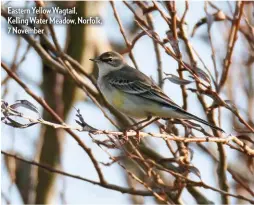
{"x": 187, "y": 115}
{"x": 205, "y": 122}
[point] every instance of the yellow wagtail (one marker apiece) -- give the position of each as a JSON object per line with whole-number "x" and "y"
{"x": 133, "y": 93}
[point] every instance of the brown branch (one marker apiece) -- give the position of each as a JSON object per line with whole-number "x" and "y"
{"x": 192, "y": 139}
{"x": 212, "y": 47}
{"x": 105, "y": 184}
{"x": 128, "y": 44}
{"x": 189, "y": 182}
{"x": 61, "y": 67}
{"x": 231, "y": 42}
{"x": 136, "y": 16}
{"x": 231, "y": 171}
{"x": 143, "y": 6}
{"x": 210, "y": 116}
{"x": 185, "y": 12}
{"x": 134, "y": 41}
{"x": 57, "y": 118}
{"x": 198, "y": 184}
{"x": 172, "y": 10}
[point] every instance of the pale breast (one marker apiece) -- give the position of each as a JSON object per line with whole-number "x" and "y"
{"x": 112, "y": 95}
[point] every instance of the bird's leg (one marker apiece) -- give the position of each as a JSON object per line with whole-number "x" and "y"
{"x": 150, "y": 122}
{"x": 125, "y": 135}
{"x": 140, "y": 128}
{"x": 135, "y": 124}
{"x": 138, "y": 123}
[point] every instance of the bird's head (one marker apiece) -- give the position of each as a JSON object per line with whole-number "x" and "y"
{"x": 109, "y": 60}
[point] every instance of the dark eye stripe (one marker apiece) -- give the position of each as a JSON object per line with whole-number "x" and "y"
{"x": 107, "y": 59}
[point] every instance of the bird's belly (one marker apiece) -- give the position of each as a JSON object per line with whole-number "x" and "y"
{"x": 137, "y": 107}
{"x": 128, "y": 104}
{"x": 133, "y": 106}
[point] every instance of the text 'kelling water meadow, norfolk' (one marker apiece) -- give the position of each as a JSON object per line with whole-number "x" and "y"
{"x": 31, "y": 17}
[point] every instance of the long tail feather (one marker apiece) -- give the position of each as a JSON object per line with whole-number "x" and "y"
{"x": 208, "y": 124}
{"x": 193, "y": 117}
{"x": 205, "y": 122}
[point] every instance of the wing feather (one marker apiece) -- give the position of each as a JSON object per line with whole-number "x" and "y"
{"x": 133, "y": 82}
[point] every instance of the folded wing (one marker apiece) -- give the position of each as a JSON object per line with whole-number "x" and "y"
{"x": 134, "y": 82}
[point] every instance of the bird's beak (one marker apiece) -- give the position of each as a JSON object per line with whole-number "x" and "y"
{"x": 95, "y": 59}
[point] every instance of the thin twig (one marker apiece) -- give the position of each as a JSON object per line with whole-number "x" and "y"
{"x": 105, "y": 185}
{"x": 128, "y": 44}
{"x": 57, "y": 118}
{"x": 231, "y": 42}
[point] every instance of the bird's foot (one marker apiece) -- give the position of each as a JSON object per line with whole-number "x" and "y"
{"x": 138, "y": 136}
{"x": 125, "y": 135}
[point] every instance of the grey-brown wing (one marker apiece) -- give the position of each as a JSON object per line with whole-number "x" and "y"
{"x": 134, "y": 82}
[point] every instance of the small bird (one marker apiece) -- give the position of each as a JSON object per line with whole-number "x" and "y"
{"x": 133, "y": 93}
